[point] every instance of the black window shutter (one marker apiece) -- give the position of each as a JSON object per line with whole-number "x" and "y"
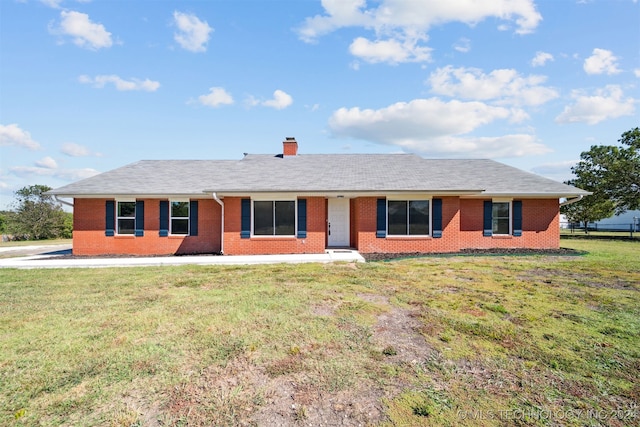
{"x": 381, "y": 218}
{"x": 488, "y": 218}
{"x": 140, "y": 218}
{"x": 193, "y": 218}
{"x": 110, "y": 219}
{"x": 517, "y": 218}
{"x": 164, "y": 218}
{"x": 436, "y": 221}
{"x": 302, "y": 218}
{"x": 245, "y": 217}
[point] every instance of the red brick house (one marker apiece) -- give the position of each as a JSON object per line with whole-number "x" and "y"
{"x": 290, "y": 203}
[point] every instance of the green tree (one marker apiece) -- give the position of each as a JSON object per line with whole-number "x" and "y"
{"x": 590, "y": 209}
{"x": 37, "y": 215}
{"x": 612, "y": 173}
{"x": 67, "y": 230}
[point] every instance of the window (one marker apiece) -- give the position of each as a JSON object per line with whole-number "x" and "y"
{"x": 408, "y": 217}
{"x": 274, "y": 218}
{"x": 179, "y": 218}
{"x": 126, "y": 217}
{"x": 501, "y": 218}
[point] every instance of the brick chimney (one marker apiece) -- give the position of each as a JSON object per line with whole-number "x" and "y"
{"x": 289, "y": 147}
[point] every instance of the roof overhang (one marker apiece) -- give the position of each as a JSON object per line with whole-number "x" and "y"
{"x": 344, "y": 193}
{"x": 131, "y": 195}
{"x": 527, "y": 195}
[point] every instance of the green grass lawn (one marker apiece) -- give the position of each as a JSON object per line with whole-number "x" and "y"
{"x": 486, "y": 340}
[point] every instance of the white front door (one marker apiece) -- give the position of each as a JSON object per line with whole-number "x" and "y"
{"x": 338, "y": 222}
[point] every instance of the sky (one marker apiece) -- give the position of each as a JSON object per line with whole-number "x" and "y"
{"x": 90, "y": 86}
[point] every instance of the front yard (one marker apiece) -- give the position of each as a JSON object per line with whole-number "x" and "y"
{"x": 467, "y": 340}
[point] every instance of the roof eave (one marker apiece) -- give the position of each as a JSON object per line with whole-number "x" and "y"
{"x": 533, "y": 195}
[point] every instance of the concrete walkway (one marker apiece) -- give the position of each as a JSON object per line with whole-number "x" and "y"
{"x": 55, "y": 260}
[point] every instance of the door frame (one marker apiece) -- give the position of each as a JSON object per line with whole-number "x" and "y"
{"x": 347, "y": 220}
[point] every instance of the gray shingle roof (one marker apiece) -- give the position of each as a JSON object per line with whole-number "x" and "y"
{"x": 316, "y": 173}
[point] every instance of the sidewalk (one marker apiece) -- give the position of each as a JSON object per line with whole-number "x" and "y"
{"x": 48, "y": 261}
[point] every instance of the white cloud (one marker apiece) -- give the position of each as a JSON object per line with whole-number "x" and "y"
{"x": 411, "y": 15}
{"x": 463, "y": 45}
{"x": 280, "y": 100}
{"x": 52, "y": 3}
{"x": 120, "y": 84}
{"x": 392, "y": 51}
{"x": 72, "y": 149}
{"x": 605, "y": 103}
{"x": 84, "y": 32}
{"x": 602, "y": 61}
{"x": 47, "y": 163}
{"x": 504, "y": 86}
{"x": 400, "y": 25}
{"x": 637, "y": 72}
{"x": 13, "y": 135}
{"x": 217, "y": 96}
{"x": 434, "y": 127}
{"x": 340, "y": 13}
{"x": 541, "y": 59}
{"x": 192, "y": 34}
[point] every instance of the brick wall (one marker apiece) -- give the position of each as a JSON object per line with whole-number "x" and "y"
{"x": 89, "y": 231}
{"x": 367, "y": 242}
{"x": 462, "y": 228}
{"x": 540, "y": 226}
{"x": 313, "y": 243}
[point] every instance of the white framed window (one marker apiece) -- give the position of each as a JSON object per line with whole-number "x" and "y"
{"x": 179, "y": 217}
{"x": 274, "y": 217}
{"x": 501, "y": 217}
{"x": 409, "y": 217}
{"x": 125, "y": 217}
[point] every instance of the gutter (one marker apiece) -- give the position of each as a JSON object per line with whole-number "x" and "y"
{"x": 215, "y": 197}
{"x": 62, "y": 201}
{"x": 570, "y": 201}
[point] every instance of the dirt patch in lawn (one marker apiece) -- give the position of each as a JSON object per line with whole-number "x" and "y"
{"x": 291, "y": 392}
{"x": 397, "y": 335}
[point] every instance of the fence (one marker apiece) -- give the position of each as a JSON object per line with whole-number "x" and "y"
{"x": 629, "y": 230}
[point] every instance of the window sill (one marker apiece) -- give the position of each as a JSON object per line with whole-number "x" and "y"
{"x": 409, "y": 237}
{"x": 273, "y": 237}
{"x": 502, "y": 236}
{"x": 177, "y": 236}
{"x": 125, "y": 236}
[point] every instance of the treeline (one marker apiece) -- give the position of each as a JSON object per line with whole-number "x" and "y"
{"x": 35, "y": 216}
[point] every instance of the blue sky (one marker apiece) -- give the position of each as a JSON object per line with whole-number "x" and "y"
{"x": 89, "y": 86}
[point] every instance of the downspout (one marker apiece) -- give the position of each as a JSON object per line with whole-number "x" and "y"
{"x": 215, "y": 197}
{"x": 570, "y": 201}
{"x": 62, "y": 201}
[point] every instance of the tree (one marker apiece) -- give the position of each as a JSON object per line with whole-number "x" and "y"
{"x": 590, "y": 209}
{"x": 613, "y": 172}
{"x": 37, "y": 215}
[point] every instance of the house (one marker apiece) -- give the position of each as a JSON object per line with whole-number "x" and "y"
{"x": 291, "y": 203}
